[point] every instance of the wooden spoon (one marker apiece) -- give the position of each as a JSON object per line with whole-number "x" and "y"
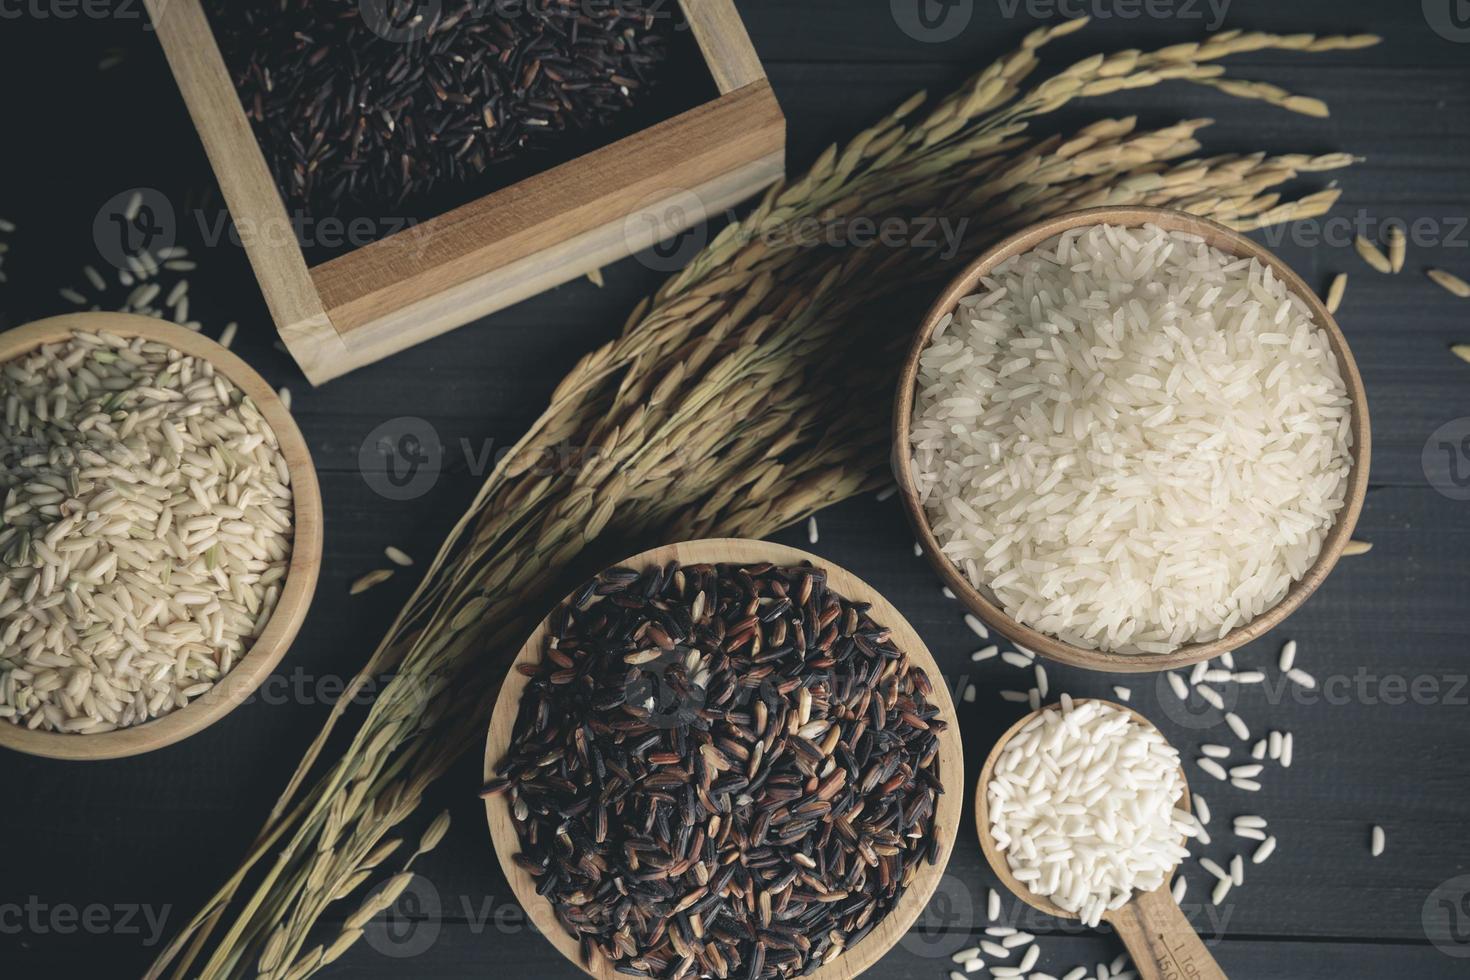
{"x": 1160, "y": 939}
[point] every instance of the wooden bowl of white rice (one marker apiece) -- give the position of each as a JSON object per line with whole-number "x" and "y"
{"x": 1131, "y": 439}
{"x": 161, "y": 539}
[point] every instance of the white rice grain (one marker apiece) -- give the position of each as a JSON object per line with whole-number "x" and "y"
{"x": 1214, "y": 869}
{"x": 1108, "y": 443}
{"x": 1111, "y": 820}
{"x": 1222, "y": 888}
{"x": 1238, "y": 726}
{"x": 1301, "y": 678}
{"x": 1029, "y": 960}
{"x": 1288, "y": 656}
{"x": 1213, "y": 768}
{"x": 1181, "y": 690}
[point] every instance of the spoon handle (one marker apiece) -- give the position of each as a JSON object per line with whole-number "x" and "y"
{"x": 1163, "y": 944}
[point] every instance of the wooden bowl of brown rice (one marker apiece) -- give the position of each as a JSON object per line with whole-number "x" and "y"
{"x": 161, "y": 540}
{"x": 1131, "y": 439}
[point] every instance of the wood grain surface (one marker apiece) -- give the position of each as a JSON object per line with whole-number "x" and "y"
{"x": 1385, "y": 739}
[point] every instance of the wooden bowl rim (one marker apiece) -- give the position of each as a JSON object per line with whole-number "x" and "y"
{"x": 1045, "y": 644}
{"x": 742, "y": 550}
{"x": 296, "y": 590}
{"x": 993, "y": 855}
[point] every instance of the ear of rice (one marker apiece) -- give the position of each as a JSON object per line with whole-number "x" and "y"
{"x": 1130, "y": 439}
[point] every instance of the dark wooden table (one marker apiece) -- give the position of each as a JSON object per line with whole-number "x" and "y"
{"x": 100, "y": 862}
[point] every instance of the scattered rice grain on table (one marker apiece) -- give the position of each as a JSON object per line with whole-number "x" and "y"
{"x": 1373, "y": 255}
{"x": 376, "y": 577}
{"x": 1336, "y": 292}
{"x": 1398, "y": 248}
{"x": 1451, "y": 282}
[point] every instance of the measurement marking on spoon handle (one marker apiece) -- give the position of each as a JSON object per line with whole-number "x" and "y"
{"x": 1177, "y": 968}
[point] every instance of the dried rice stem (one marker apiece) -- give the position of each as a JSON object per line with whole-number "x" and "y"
{"x": 712, "y": 413}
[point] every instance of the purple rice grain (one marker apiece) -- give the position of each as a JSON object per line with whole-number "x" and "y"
{"x": 721, "y": 771}
{"x": 346, "y": 115}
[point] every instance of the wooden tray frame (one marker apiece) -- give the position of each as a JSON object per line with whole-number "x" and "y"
{"x": 502, "y": 248}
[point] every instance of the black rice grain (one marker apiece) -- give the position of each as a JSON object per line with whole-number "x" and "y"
{"x": 374, "y": 101}
{"x": 722, "y": 771}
